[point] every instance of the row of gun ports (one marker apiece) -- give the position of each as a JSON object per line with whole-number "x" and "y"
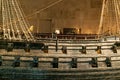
{"x": 55, "y": 63}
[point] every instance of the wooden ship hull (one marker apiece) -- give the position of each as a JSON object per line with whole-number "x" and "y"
{"x": 56, "y": 59}
{"x": 24, "y": 56}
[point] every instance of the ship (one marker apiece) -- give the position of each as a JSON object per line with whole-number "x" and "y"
{"x": 24, "y": 56}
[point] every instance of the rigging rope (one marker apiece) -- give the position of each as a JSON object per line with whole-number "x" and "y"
{"x": 14, "y": 20}
{"x": 14, "y": 23}
{"x": 110, "y": 17}
{"x": 38, "y": 11}
{"x": 17, "y": 32}
{"x": 101, "y": 18}
{"x": 25, "y": 21}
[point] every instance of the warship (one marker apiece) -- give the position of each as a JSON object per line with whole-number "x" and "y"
{"x": 24, "y": 56}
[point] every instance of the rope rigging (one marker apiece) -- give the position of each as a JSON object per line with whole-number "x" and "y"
{"x": 46, "y": 7}
{"x": 14, "y": 25}
{"x": 110, "y": 18}
{"x": 36, "y": 12}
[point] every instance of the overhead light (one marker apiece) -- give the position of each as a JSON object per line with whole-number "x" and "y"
{"x": 57, "y": 31}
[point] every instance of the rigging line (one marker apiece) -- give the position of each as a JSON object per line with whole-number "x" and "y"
{"x": 117, "y": 16}
{"x": 104, "y": 31}
{"x": 25, "y": 21}
{"x": 113, "y": 17}
{"x": 118, "y": 7}
{"x": 19, "y": 18}
{"x": 10, "y": 19}
{"x": 1, "y": 30}
{"x": 15, "y": 23}
{"x": 13, "y": 16}
{"x": 24, "y": 18}
{"x": 6, "y": 15}
{"x": 5, "y": 22}
{"x": 52, "y": 4}
{"x": 101, "y": 18}
{"x": 3, "y": 19}
{"x": 108, "y": 18}
{"x": 22, "y": 21}
{"x": 7, "y": 19}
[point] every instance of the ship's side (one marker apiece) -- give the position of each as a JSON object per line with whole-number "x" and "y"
{"x": 61, "y": 60}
